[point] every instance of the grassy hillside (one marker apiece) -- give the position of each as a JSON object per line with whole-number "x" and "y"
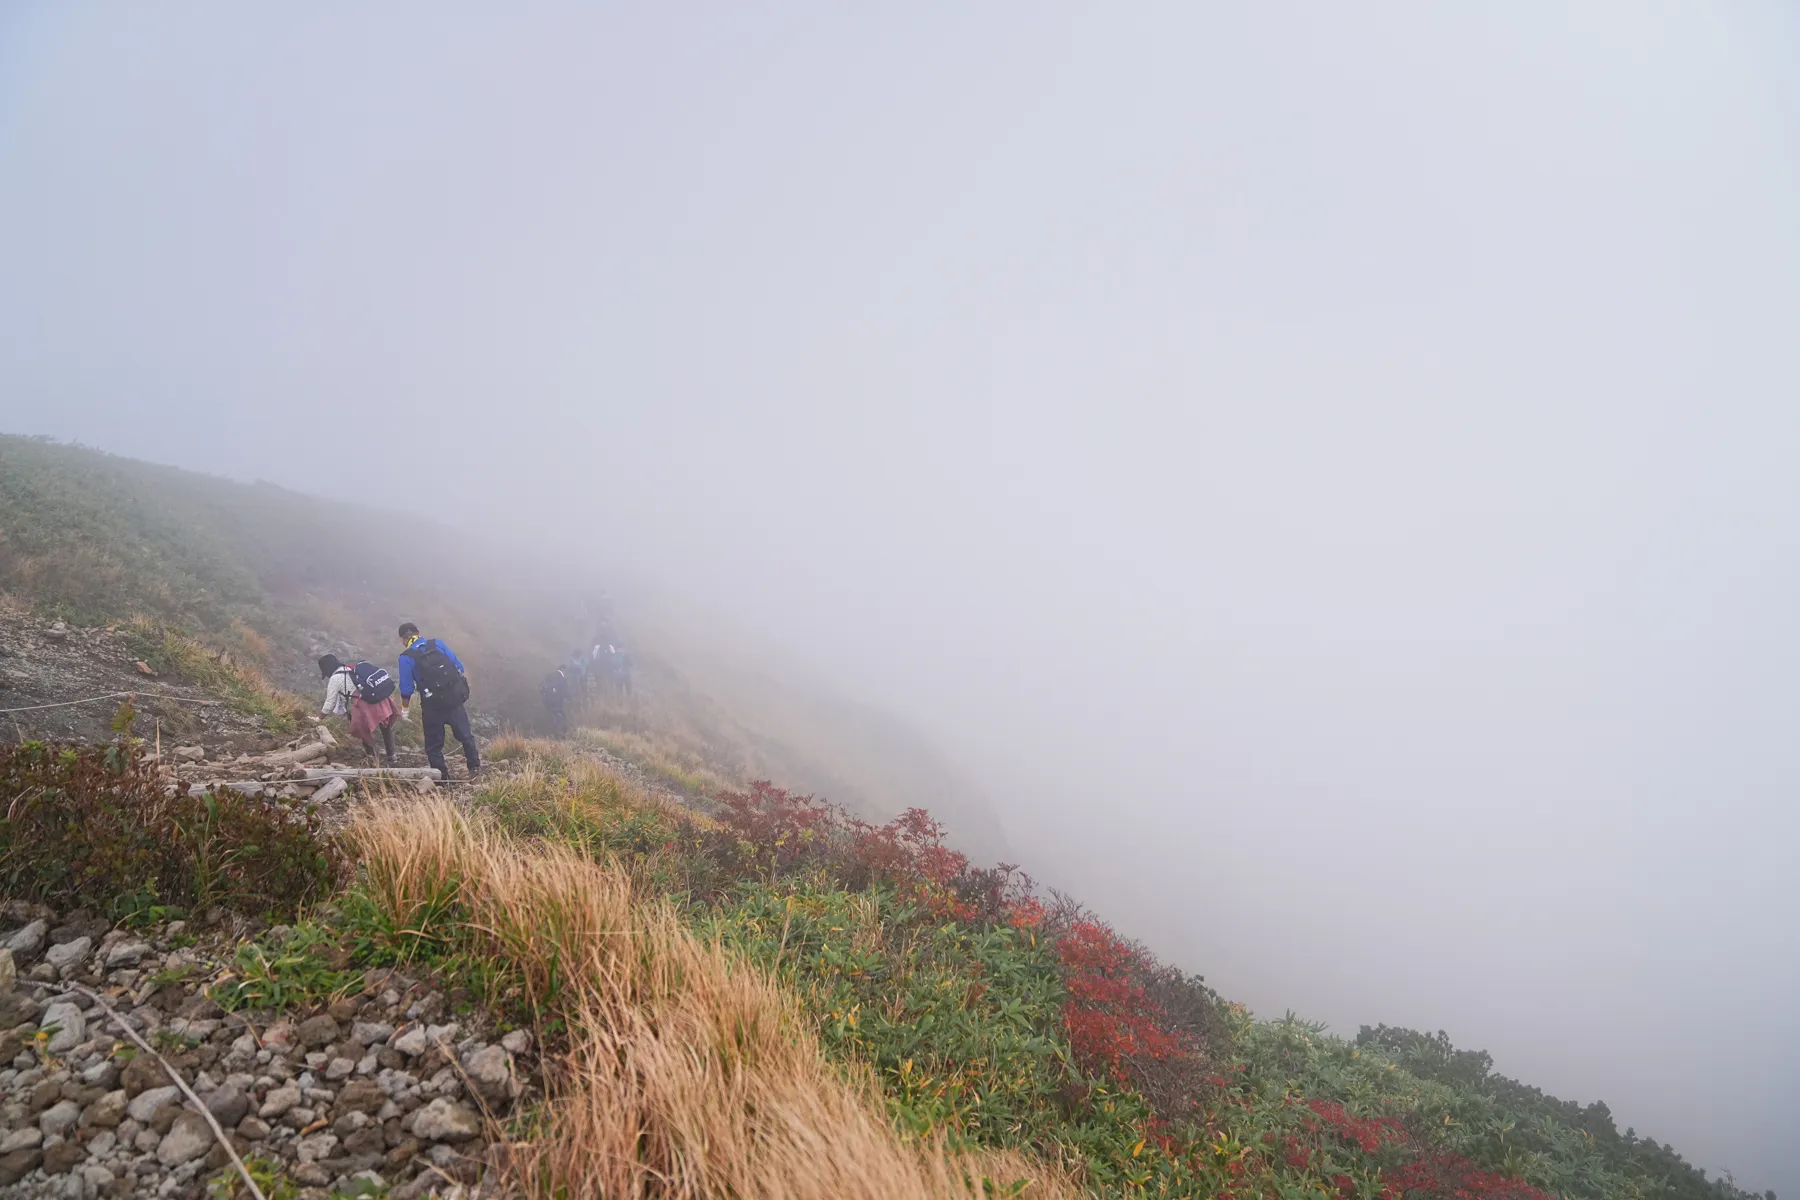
{"x": 274, "y": 578}
{"x": 757, "y": 996}
{"x": 778, "y": 1000}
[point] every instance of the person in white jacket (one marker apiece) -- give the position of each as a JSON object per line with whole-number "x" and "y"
{"x": 344, "y": 693}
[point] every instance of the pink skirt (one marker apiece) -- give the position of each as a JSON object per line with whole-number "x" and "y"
{"x": 366, "y": 718}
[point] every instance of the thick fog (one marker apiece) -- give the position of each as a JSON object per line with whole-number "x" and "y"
{"x": 1330, "y": 475}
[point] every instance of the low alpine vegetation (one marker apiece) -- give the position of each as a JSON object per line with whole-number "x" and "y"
{"x": 91, "y": 826}
{"x": 993, "y": 1020}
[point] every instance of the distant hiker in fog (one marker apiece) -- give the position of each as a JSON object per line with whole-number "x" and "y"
{"x": 432, "y": 669}
{"x": 575, "y": 673}
{"x": 366, "y": 692}
{"x": 618, "y": 669}
{"x": 555, "y": 691}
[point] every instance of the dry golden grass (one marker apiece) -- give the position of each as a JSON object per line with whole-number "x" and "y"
{"x": 662, "y": 758}
{"x": 689, "y": 1074}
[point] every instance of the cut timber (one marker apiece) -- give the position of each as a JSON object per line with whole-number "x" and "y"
{"x": 303, "y": 754}
{"x": 371, "y": 773}
{"x": 331, "y": 791}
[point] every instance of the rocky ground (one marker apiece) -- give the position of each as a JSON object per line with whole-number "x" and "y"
{"x": 380, "y": 1092}
{"x": 50, "y": 662}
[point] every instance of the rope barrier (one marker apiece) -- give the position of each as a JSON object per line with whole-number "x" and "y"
{"x": 112, "y": 696}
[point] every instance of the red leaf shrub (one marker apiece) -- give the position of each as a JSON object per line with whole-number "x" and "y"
{"x": 1118, "y": 1028}
{"x": 1452, "y": 1177}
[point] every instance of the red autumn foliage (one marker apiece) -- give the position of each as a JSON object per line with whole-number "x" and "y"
{"x": 1367, "y": 1133}
{"x": 781, "y": 828}
{"x": 1452, "y": 1177}
{"x": 780, "y": 831}
{"x": 1111, "y": 1019}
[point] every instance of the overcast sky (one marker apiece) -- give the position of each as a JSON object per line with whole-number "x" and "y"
{"x": 1329, "y": 471}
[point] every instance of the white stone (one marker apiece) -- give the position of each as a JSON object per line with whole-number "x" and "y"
{"x": 490, "y": 1070}
{"x": 278, "y": 1102}
{"x": 445, "y": 1121}
{"x": 127, "y": 954}
{"x": 69, "y": 953}
{"x": 71, "y": 1026}
{"x": 59, "y": 1118}
{"x": 188, "y": 1139}
{"x": 517, "y": 1042}
{"x": 29, "y": 940}
{"x": 319, "y": 1145}
{"x": 143, "y": 1106}
{"x": 22, "y": 1139}
{"x": 412, "y": 1043}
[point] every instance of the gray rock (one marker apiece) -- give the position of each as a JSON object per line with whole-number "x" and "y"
{"x": 190, "y": 753}
{"x": 228, "y": 1105}
{"x": 97, "y": 1177}
{"x": 490, "y": 1070}
{"x": 28, "y": 941}
{"x": 517, "y": 1042}
{"x": 188, "y": 1139}
{"x": 59, "y": 1118}
{"x": 412, "y": 1043}
{"x": 9, "y": 970}
{"x": 319, "y": 1145}
{"x": 69, "y": 953}
{"x": 371, "y": 1033}
{"x": 253, "y": 1129}
{"x": 108, "y": 1110}
{"x": 22, "y": 1139}
{"x": 315, "y": 1033}
{"x": 278, "y": 1102}
{"x": 143, "y": 1106}
{"x": 18, "y": 1164}
{"x": 71, "y": 1025}
{"x": 127, "y": 954}
{"x": 445, "y": 1121}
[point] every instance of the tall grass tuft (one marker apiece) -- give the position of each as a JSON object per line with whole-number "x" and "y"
{"x": 688, "y": 1073}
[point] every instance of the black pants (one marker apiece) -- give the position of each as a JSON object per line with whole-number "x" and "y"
{"x": 433, "y": 719}
{"x": 387, "y": 739}
{"x": 559, "y": 718}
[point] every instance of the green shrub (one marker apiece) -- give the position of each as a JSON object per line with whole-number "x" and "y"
{"x": 93, "y": 827}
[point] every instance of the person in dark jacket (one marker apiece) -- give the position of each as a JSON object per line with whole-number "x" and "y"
{"x": 431, "y": 668}
{"x": 555, "y": 692}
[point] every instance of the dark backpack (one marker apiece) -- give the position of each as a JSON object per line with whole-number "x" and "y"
{"x": 552, "y": 689}
{"x": 373, "y": 683}
{"x": 436, "y": 675}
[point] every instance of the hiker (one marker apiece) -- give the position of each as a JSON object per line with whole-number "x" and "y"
{"x": 429, "y": 667}
{"x": 575, "y": 673}
{"x": 618, "y": 669}
{"x": 554, "y": 689}
{"x": 366, "y": 691}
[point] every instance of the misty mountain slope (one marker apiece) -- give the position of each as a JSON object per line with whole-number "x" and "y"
{"x": 277, "y": 578}
{"x": 981, "y": 1013}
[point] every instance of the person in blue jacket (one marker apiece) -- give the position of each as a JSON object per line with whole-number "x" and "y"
{"x": 432, "y": 669}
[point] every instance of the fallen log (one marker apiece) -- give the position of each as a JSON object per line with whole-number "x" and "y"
{"x": 303, "y": 754}
{"x": 371, "y": 773}
{"x": 331, "y": 791}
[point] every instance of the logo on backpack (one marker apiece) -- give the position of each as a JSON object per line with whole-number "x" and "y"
{"x": 373, "y": 683}
{"x": 437, "y": 676}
